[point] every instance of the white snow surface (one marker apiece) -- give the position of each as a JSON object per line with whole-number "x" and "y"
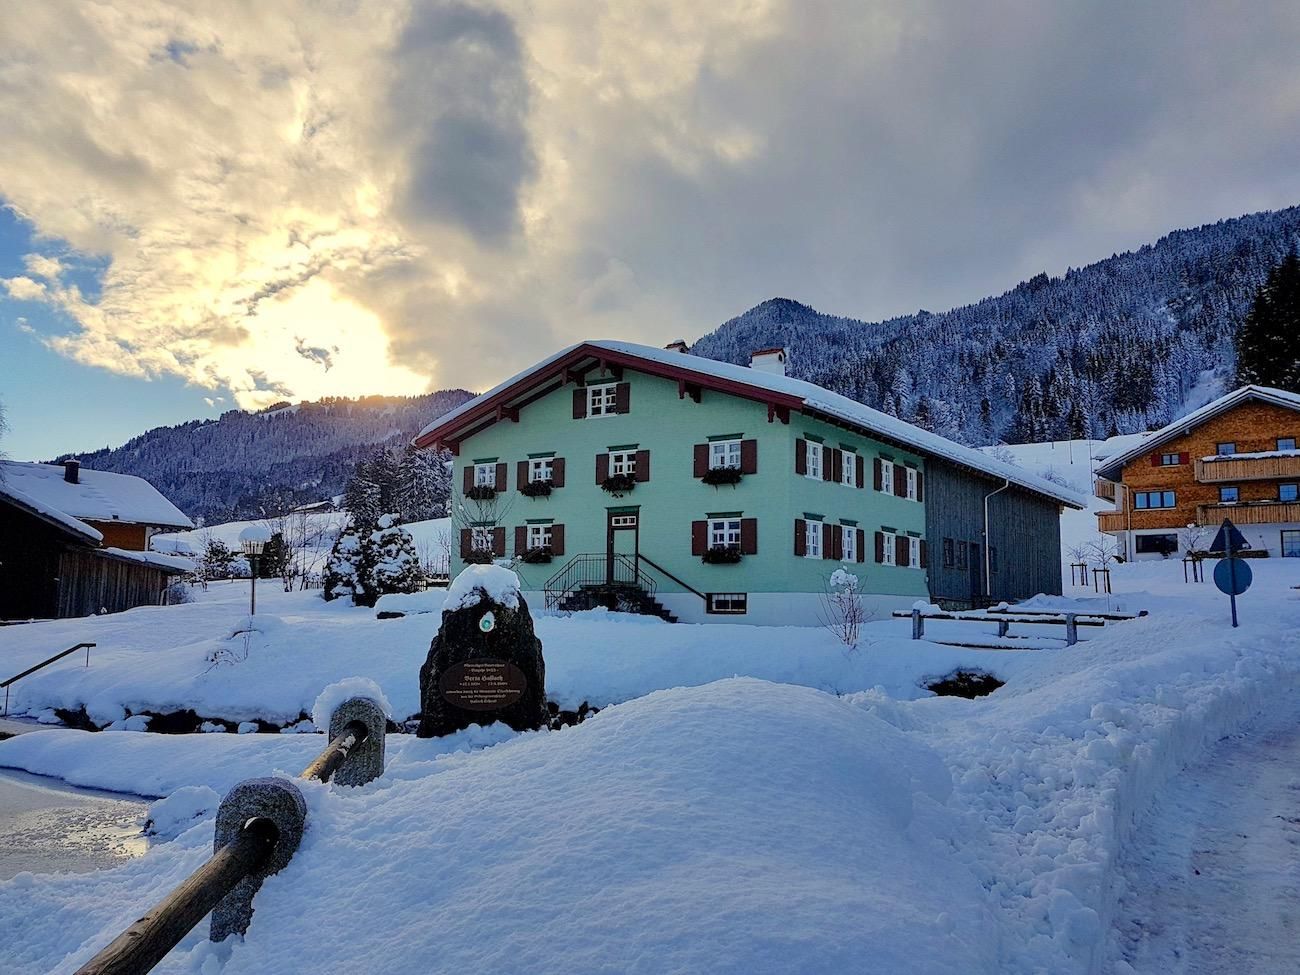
{"x": 737, "y": 825}
{"x": 343, "y": 690}
{"x": 175, "y": 563}
{"x": 98, "y": 495}
{"x": 49, "y": 511}
{"x": 478, "y": 582}
{"x": 813, "y": 396}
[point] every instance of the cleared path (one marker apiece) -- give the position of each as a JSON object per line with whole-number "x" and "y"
{"x": 46, "y": 826}
{"x": 1213, "y": 876}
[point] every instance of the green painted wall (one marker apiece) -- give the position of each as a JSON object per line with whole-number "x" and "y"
{"x": 669, "y": 427}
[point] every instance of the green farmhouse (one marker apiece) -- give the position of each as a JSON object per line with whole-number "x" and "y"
{"x": 651, "y": 480}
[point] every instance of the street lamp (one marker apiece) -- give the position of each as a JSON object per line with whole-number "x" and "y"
{"x": 252, "y": 540}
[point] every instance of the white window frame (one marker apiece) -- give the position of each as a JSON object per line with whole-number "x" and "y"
{"x": 485, "y": 475}
{"x": 622, "y": 521}
{"x": 913, "y": 551}
{"x": 723, "y": 454}
{"x": 911, "y": 483}
{"x": 541, "y": 469}
{"x": 812, "y": 539}
{"x": 539, "y": 536}
{"x": 891, "y": 549}
{"x": 849, "y": 545}
{"x": 622, "y": 462}
{"x": 849, "y": 468}
{"x": 728, "y": 602}
{"x": 724, "y": 533}
{"x": 886, "y": 477}
{"x": 602, "y": 400}
{"x": 480, "y": 539}
{"x": 1170, "y": 460}
{"x": 813, "y": 452}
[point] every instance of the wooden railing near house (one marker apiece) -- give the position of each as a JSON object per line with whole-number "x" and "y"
{"x": 1103, "y": 489}
{"x": 1112, "y": 521}
{"x": 1250, "y": 513}
{"x": 1247, "y": 469}
{"x": 44, "y": 663}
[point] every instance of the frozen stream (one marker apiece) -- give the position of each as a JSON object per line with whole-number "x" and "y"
{"x": 47, "y": 825}
{"x": 1213, "y": 873}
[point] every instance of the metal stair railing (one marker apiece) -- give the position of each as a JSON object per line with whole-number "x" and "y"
{"x": 44, "y": 663}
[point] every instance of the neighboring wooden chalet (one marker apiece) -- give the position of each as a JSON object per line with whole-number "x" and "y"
{"x": 655, "y": 480}
{"x": 1234, "y": 458}
{"x": 75, "y": 543}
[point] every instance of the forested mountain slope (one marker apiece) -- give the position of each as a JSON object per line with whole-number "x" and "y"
{"x": 246, "y": 465}
{"x": 1122, "y": 345}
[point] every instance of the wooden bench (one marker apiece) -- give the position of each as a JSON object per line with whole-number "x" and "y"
{"x": 1005, "y": 617}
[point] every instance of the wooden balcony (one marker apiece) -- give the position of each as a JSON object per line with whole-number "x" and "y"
{"x": 1249, "y": 513}
{"x": 1235, "y": 469}
{"x": 1111, "y": 521}
{"x": 1103, "y": 489}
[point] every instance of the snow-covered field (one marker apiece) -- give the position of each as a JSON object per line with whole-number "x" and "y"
{"x": 755, "y": 800}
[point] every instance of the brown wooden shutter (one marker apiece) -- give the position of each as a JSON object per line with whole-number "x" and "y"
{"x": 920, "y": 486}
{"x": 701, "y": 459}
{"x": 861, "y": 547}
{"x": 837, "y": 542}
{"x": 469, "y": 477}
{"x": 521, "y": 475}
{"x": 1183, "y": 458}
{"x": 749, "y": 456}
{"x": 860, "y": 477}
{"x": 557, "y": 472}
{"x": 466, "y": 543}
{"x": 880, "y": 548}
{"x": 878, "y": 474}
{"x": 643, "y": 465}
{"x": 1155, "y": 460}
{"x": 828, "y": 458}
{"x": 557, "y": 539}
{"x": 800, "y": 537}
{"x": 622, "y": 397}
{"x": 900, "y": 481}
{"x": 498, "y": 541}
{"x": 800, "y": 456}
{"x": 521, "y": 539}
{"x": 602, "y": 467}
{"x": 580, "y": 403}
{"x": 500, "y": 485}
{"x": 699, "y": 537}
{"x": 748, "y": 536}
{"x": 826, "y": 540}
{"x": 902, "y": 550}
{"x": 925, "y": 555}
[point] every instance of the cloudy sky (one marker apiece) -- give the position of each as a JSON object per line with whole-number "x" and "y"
{"x": 225, "y": 204}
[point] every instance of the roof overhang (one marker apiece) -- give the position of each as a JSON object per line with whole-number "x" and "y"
{"x": 68, "y": 525}
{"x": 505, "y": 402}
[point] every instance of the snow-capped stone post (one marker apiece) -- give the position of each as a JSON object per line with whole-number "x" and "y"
{"x": 355, "y": 699}
{"x": 253, "y": 800}
{"x": 485, "y": 663}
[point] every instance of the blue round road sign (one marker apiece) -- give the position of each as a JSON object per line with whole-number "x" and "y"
{"x": 1232, "y": 576}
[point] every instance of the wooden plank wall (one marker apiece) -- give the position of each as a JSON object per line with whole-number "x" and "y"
{"x": 91, "y": 584}
{"x": 1024, "y": 529}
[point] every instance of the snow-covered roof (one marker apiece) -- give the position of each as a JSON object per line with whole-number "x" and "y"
{"x": 168, "y": 563}
{"x": 49, "y": 513}
{"x": 808, "y": 396}
{"x": 1114, "y": 466}
{"x": 1255, "y": 455}
{"x": 97, "y": 495}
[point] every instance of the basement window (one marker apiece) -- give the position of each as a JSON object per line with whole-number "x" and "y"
{"x": 728, "y": 603}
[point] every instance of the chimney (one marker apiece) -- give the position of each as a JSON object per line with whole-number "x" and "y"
{"x": 72, "y": 471}
{"x": 677, "y": 345}
{"x": 769, "y": 360}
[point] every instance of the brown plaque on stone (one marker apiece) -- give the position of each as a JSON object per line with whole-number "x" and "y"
{"x": 485, "y": 684}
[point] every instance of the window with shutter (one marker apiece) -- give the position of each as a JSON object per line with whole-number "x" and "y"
{"x": 912, "y": 484}
{"x": 812, "y": 539}
{"x": 886, "y": 476}
{"x": 914, "y": 552}
{"x": 812, "y": 460}
{"x": 724, "y": 453}
{"x": 748, "y": 536}
{"x": 724, "y": 533}
{"x": 800, "y": 537}
{"x": 701, "y": 460}
{"x": 848, "y": 472}
{"x": 557, "y": 539}
{"x": 699, "y": 537}
{"x": 749, "y": 456}
{"x": 602, "y": 400}
{"x": 849, "y": 544}
{"x": 889, "y": 544}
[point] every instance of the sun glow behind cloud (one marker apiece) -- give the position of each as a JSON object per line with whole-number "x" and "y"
{"x": 293, "y": 199}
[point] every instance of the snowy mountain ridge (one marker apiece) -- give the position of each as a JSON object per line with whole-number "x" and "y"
{"x": 1126, "y": 344}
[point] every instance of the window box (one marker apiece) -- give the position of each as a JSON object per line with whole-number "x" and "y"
{"x": 478, "y": 557}
{"x": 481, "y": 492}
{"x": 618, "y": 484}
{"x": 537, "y": 489}
{"x": 722, "y": 555}
{"x": 718, "y": 476}
{"x": 537, "y": 556}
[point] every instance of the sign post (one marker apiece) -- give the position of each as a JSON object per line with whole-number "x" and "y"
{"x": 1231, "y": 575}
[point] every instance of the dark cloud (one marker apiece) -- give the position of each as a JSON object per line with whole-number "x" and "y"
{"x": 461, "y": 99}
